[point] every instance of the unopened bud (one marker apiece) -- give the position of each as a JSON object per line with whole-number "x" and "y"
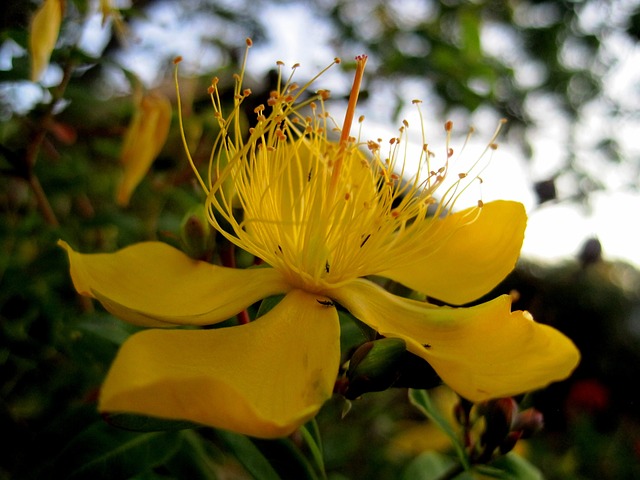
{"x": 509, "y": 442}
{"x": 43, "y": 35}
{"x": 374, "y": 366}
{"x": 197, "y": 235}
{"x": 528, "y": 422}
{"x": 499, "y": 415}
{"x": 145, "y": 137}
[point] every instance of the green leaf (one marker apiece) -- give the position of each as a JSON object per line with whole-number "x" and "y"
{"x": 421, "y": 399}
{"x": 248, "y": 455}
{"x": 142, "y": 423}
{"x": 198, "y": 458}
{"x": 429, "y": 465}
{"x": 511, "y": 467}
{"x": 267, "y": 304}
{"x": 103, "y": 452}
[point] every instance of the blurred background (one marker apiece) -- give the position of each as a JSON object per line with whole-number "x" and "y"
{"x": 564, "y": 74}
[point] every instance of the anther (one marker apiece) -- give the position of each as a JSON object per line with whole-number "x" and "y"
{"x": 280, "y": 63}
{"x": 493, "y": 146}
{"x": 295, "y": 65}
{"x": 416, "y": 102}
{"x": 337, "y": 60}
{"x": 480, "y": 204}
{"x": 462, "y": 175}
{"x": 249, "y": 42}
{"x": 448, "y": 126}
{"x": 450, "y": 153}
{"x": 246, "y": 92}
{"x": 324, "y": 94}
{"x": 361, "y": 119}
{"x": 405, "y": 123}
{"x": 177, "y": 60}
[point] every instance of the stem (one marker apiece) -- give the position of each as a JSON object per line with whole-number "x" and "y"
{"x": 34, "y": 147}
{"x": 43, "y": 201}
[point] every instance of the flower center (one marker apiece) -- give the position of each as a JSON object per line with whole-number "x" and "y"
{"x": 319, "y": 211}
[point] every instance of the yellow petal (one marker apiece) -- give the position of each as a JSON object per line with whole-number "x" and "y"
{"x": 43, "y": 35}
{"x": 481, "y": 352}
{"x": 153, "y": 284}
{"x": 264, "y": 379}
{"x": 143, "y": 142}
{"x": 464, "y": 260}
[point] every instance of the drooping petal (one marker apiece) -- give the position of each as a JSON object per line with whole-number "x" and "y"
{"x": 464, "y": 259}
{"x": 481, "y": 352}
{"x": 43, "y": 35}
{"x": 264, "y": 379}
{"x": 143, "y": 142}
{"x": 154, "y": 284}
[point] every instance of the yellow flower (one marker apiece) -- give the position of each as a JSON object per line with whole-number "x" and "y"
{"x": 43, "y": 35}
{"x": 143, "y": 142}
{"x": 322, "y": 216}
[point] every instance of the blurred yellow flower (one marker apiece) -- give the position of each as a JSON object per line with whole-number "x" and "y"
{"x": 322, "y": 215}
{"x": 43, "y": 35}
{"x": 143, "y": 141}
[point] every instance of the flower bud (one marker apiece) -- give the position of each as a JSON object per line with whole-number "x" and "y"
{"x": 374, "y": 366}
{"x": 509, "y": 442}
{"x": 143, "y": 142}
{"x": 197, "y": 235}
{"x": 43, "y": 35}
{"x": 528, "y": 422}
{"x": 499, "y": 415}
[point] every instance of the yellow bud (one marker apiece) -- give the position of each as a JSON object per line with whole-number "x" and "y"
{"x": 43, "y": 35}
{"x": 143, "y": 142}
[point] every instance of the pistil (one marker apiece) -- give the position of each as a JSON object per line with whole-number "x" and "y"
{"x": 361, "y": 61}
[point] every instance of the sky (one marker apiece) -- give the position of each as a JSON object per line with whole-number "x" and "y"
{"x": 555, "y": 231}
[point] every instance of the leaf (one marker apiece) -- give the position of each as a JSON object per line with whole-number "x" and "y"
{"x": 267, "y": 304}
{"x": 142, "y": 423}
{"x": 248, "y": 455}
{"x": 511, "y": 467}
{"x": 429, "y": 465}
{"x": 421, "y": 399}
{"x": 103, "y": 452}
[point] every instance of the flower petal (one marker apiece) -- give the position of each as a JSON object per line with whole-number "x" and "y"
{"x": 464, "y": 260}
{"x": 481, "y": 352}
{"x": 154, "y": 284}
{"x": 264, "y": 379}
